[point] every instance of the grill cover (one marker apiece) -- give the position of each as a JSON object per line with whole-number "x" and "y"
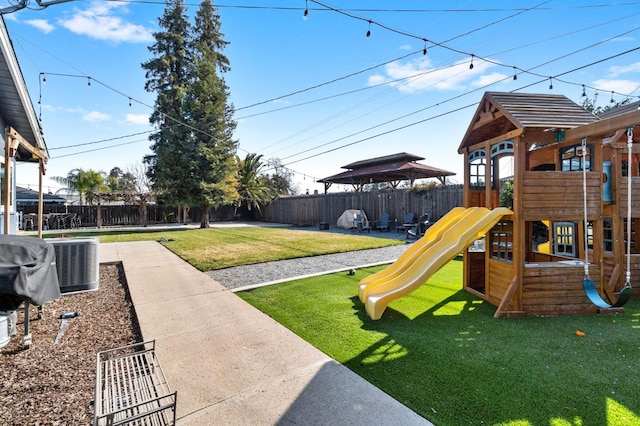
{"x": 27, "y": 272}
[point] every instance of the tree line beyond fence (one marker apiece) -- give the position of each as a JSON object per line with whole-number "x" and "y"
{"x": 299, "y": 210}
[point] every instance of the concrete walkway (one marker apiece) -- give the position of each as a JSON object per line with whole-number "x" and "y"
{"x": 233, "y": 365}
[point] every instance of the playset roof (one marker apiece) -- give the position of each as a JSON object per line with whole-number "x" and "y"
{"x": 614, "y": 112}
{"x": 499, "y": 113}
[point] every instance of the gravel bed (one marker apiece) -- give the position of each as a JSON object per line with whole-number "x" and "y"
{"x": 244, "y": 277}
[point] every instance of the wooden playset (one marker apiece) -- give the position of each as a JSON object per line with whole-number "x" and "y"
{"x": 572, "y": 180}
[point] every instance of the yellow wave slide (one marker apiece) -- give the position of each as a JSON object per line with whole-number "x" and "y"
{"x": 442, "y": 242}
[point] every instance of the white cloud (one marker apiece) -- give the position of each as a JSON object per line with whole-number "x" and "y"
{"x": 487, "y": 79}
{"x": 622, "y": 39}
{"x": 137, "y": 118}
{"x": 96, "y": 116}
{"x": 49, "y": 107}
{"x": 101, "y": 21}
{"x": 618, "y": 86}
{"x": 616, "y": 70}
{"x": 41, "y": 24}
{"x": 419, "y": 75}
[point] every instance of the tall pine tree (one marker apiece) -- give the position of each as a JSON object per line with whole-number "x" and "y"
{"x": 194, "y": 151}
{"x": 167, "y": 76}
{"x": 207, "y": 108}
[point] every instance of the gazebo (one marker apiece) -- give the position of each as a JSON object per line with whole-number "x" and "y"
{"x": 392, "y": 169}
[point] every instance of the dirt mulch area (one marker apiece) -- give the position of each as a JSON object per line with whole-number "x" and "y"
{"x": 54, "y": 383}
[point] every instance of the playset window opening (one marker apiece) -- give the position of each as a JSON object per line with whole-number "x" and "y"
{"x": 502, "y": 164}
{"x": 477, "y": 167}
{"x": 564, "y": 242}
{"x": 571, "y": 158}
{"x": 501, "y": 237}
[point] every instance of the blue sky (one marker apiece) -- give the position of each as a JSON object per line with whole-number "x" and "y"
{"x": 316, "y": 92}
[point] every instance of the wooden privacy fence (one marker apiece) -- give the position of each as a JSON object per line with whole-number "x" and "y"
{"x": 120, "y": 215}
{"x": 310, "y": 210}
{"x": 302, "y": 210}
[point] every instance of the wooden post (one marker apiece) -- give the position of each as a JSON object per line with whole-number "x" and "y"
{"x": 519, "y": 228}
{"x": 10, "y": 147}
{"x": 99, "y": 214}
{"x": 40, "y": 202}
{"x": 488, "y": 165}
{"x": 7, "y": 181}
{"x": 466, "y": 184}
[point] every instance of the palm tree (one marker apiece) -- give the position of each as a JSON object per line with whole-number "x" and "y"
{"x": 85, "y": 183}
{"x": 255, "y": 189}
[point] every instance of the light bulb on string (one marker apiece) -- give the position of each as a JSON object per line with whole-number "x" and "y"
{"x": 129, "y": 102}
{"x": 369, "y": 30}
{"x": 550, "y": 83}
{"x": 471, "y": 64}
{"x": 584, "y": 92}
{"x": 424, "y": 50}
{"x": 306, "y": 10}
{"x": 515, "y": 73}
{"x": 611, "y": 101}
{"x": 88, "y": 81}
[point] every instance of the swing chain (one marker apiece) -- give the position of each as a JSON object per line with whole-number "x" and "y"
{"x": 584, "y": 193}
{"x": 629, "y": 149}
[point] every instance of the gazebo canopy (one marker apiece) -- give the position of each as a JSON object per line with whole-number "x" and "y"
{"x": 393, "y": 169}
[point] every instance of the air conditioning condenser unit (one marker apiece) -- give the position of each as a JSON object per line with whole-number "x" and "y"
{"x": 77, "y": 263}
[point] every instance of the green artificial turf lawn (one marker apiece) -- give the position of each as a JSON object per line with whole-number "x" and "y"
{"x": 215, "y": 248}
{"x": 440, "y": 352}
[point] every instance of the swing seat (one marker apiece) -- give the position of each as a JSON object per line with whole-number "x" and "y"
{"x": 596, "y": 299}
{"x": 624, "y": 296}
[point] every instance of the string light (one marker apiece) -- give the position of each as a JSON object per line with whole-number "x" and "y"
{"x": 515, "y": 75}
{"x": 424, "y": 50}
{"x": 129, "y": 101}
{"x": 611, "y": 101}
{"x": 550, "y": 83}
{"x": 306, "y": 10}
{"x": 471, "y": 65}
{"x": 584, "y": 92}
{"x": 163, "y": 117}
{"x": 42, "y": 80}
